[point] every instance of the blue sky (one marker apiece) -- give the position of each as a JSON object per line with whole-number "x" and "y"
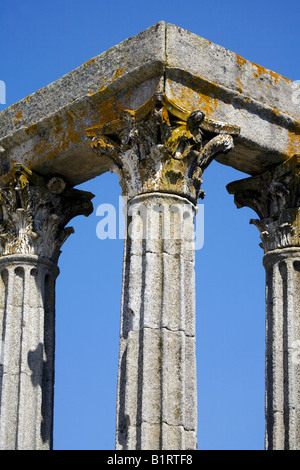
{"x": 40, "y": 42}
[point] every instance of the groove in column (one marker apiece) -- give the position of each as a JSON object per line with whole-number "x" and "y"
{"x": 296, "y": 351}
{"x": 3, "y": 312}
{"x": 285, "y": 354}
{"x": 269, "y": 366}
{"x": 278, "y": 370}
{"x": 26, "y": 432}
{"x": 18, "y": 312}
{"x": 153, "y": 339}
{"x": 48, "y": 299}
{"x": 276, "y": 359}
{"x": 141, "y": 358}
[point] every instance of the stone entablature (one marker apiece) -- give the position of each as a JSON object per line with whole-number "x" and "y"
{"x": 189, "y": 70}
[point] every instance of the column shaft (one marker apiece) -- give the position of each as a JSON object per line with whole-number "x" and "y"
{"x": 159, "y": 151}
{"x": 157, "y": 404}
{"x": 283, "y": 349}
{"x": 27, "y": 352}
{"x": 34, "y": 212}
{"x": 274, "y": 196}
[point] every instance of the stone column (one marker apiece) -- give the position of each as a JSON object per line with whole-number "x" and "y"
{"x": 34, "y": 212}
{"x": 275, "y": 196}
{"x": 157, "y": 402}
{"x": 159, "y": 152}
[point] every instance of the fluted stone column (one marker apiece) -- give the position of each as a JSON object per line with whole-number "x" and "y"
{"x": 275, "y": 196}
{"x": 159, "y": 152}
{"x": 34, "y": 212}
{"x": 157, "y": 396}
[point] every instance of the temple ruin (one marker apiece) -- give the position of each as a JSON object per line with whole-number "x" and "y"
{"x": 156, "y": 109}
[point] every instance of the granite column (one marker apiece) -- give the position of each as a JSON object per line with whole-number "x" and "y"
{"x": 159, "y": 152}
{"x": 34, "y": 212}
{"x": 275, "y": 196}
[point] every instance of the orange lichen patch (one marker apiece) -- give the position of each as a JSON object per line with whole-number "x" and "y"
{"x": 63, "y": 134}
{"x": 91, "y": 61}
{"x": 262, "y": 71}
{"x": 108, "y": 111}
{"x": 66, "y": 130}
{"x": 259, "y": 70}
{"x": 18, "y": 117}
{"x": 293, "y": 143}
{"x": 275, "y": 111}
{"x": 206, "y": 97}
{"x": 103, "y": 87}
{"x": 31, "y": 130}
{"x": 274, "y": 76}
{"x": 118, "y": 73}
{"x": 128, "y": 94}
{"x": 209, "y": 104}
{"x": 239, "y": 85}
{"x": 240, "y": 60}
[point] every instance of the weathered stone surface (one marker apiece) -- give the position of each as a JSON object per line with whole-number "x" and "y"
{"x": 159, "y": 152}
{"x": 192, "y": 72}
{"x": 225, "y": 86}
{"x": 125, "y": 76}
{"x": 275, "y": 197}
{"x": 157, "y": 398}
{"x": 27, "y": 319}
{"x": 162, "y": 147}
{"x": 154, "y": 109}
{"x": 34, "y": 212}
{"x": 218, "y": 65}
{"x": 283, "y": 349}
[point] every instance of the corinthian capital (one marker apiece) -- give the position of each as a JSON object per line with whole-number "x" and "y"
{"x": 34, "y": 212}
{"x": 275, "y": 197}
{"x": 162, "y": 147}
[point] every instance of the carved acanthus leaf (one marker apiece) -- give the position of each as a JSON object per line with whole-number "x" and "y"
{"x": 161, "y": 146}
{"x": 34, "y": 213}
{"x": 275, "y": 197}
